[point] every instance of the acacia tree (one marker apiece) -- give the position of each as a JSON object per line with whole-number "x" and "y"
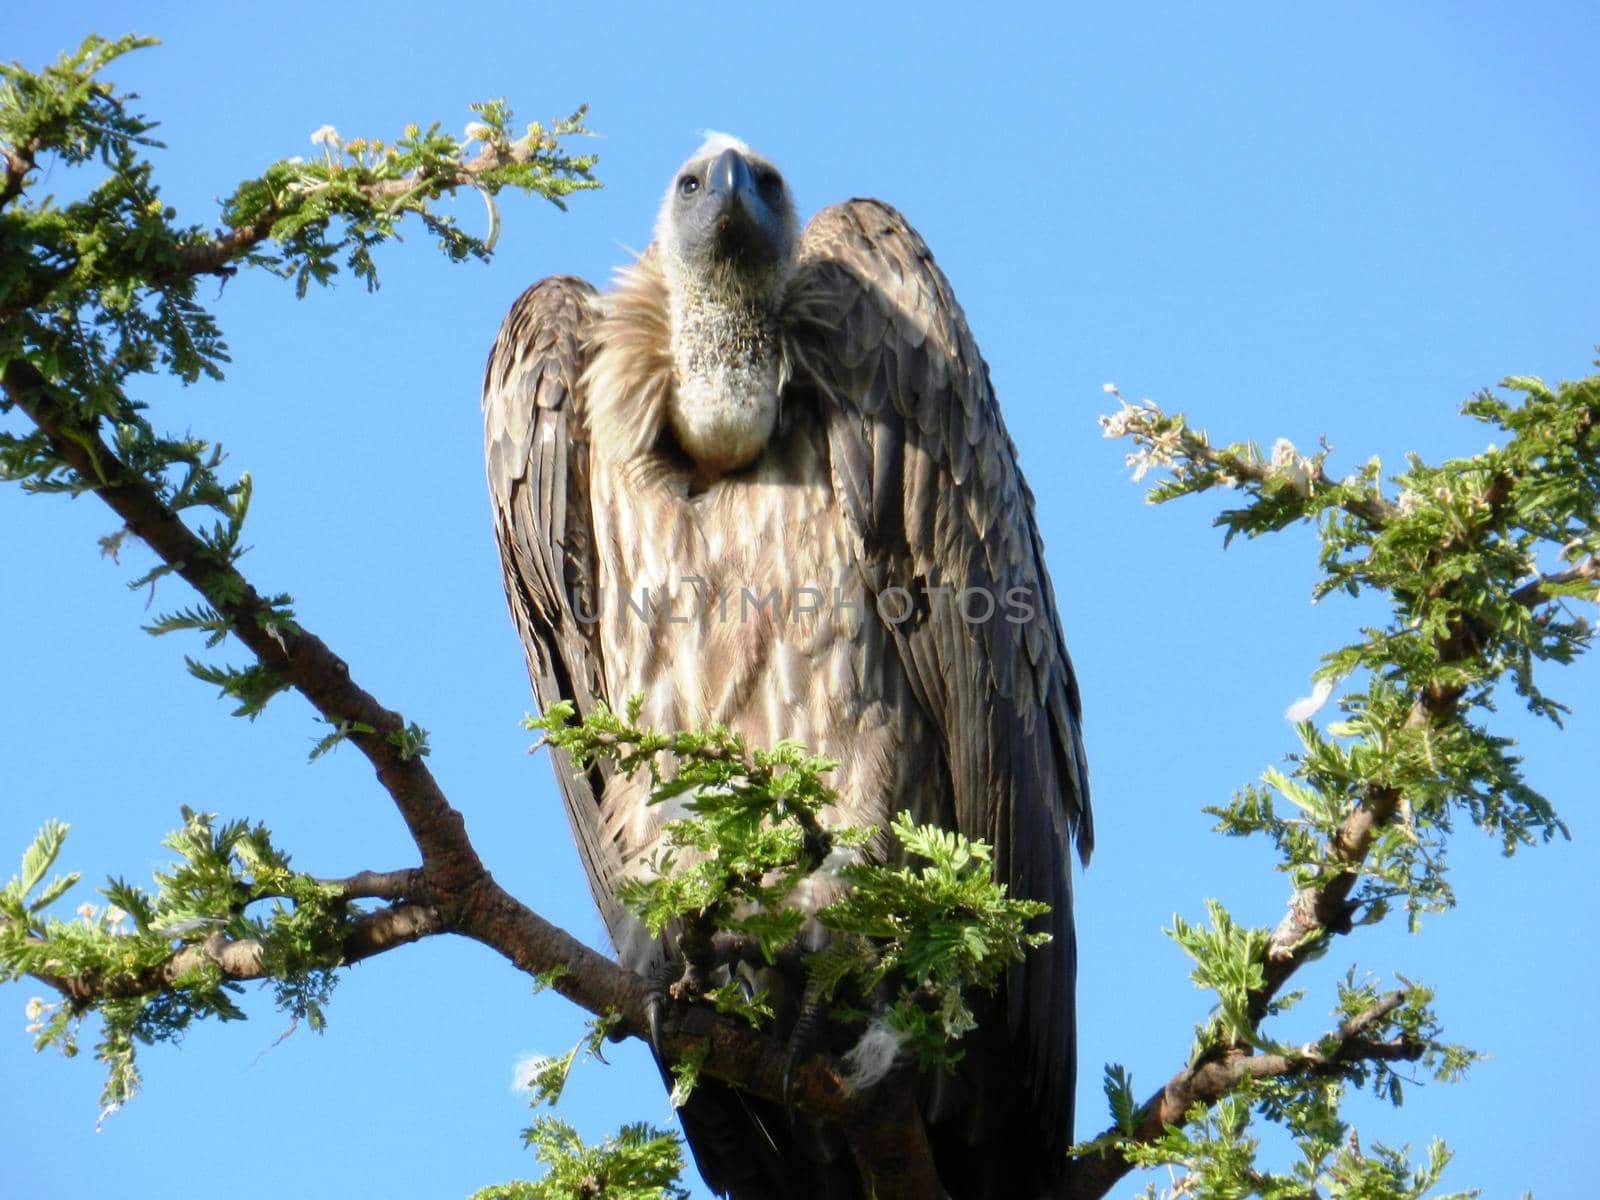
{"x": 1479, "y": 560}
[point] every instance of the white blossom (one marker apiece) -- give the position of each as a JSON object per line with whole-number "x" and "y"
{"x": 326, "y": 135}
{"x": 1118, "y": 423}
{"x": 35, "y": 1009}
{"x": 477, "y": 131}
{"x": 1290, "y": 466}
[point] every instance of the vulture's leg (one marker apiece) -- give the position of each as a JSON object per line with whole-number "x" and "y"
{"x": 697, "y": 946}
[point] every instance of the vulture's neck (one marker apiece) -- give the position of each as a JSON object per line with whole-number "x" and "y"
{"x": 727, "y": 352}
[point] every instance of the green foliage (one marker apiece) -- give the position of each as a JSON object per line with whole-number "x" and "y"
{"x": 751, "y": 830}
{"x": 943, "y": 930}
{"x": 1219, "y": 1158}
{"x": 639, "y": 1163}
{"x": 251, "y": 686}
{"x": 685, "y": 1074}
{"x": 730, "y": 998}
{"x": 412, "y": 742}
{"x": 350, "y": 198}
{"x": 548, "y": 1076}
{"x": 337, "y": 734}
{"x": 1479, "y": 559}
{"x": 1411, "y": 1020}
{"x": 146, "y": 961}
{"x": 1456, "y": 549}
{"x": 101, "y": 290}
{"x": 1124, "y": 1105}
{"x": 17, "y": 901}
{"x": 923, "y": 939}
{"x": 1230, "y": 961}
{"x": 546, "y": 979}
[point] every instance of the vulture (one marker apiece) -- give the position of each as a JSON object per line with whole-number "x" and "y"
{"x": 763, "y": 481}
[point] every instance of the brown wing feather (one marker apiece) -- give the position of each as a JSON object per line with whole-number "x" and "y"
{"x": 925, "y": 470}
{"x": 535, "y": 450}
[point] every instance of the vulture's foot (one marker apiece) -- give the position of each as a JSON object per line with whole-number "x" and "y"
{"x": 804, "y": 1038}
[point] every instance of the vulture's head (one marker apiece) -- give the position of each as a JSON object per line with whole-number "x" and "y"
{"x": 728, "y": 215}
{"x": 725, "y": 245}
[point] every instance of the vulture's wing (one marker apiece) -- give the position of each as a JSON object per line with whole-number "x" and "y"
{"x": 924, "y": 469}
{"x": 537, "y": 458}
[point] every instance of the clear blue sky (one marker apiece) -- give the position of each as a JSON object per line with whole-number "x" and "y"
{"x": 1288, "y": 220}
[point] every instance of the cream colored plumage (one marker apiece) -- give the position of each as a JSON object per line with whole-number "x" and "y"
{"x": 788, "y": 442}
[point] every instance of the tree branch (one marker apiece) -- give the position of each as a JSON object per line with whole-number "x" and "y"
{"x": 298, "y": 656}
{"x": 590, "y": 979}
{"x": 1532, "y": 593}
{"x": 1372, "y": 509}
{"x": 1212, "y": 1078}
{"x": 1323, "y": 907}
{"x": 1177, "y": 446}
{"x": 19, "y": 162}
{"x": 244, "y": 959}
{"x": 455, "y": 891}
{"x": 890, "y": 1145}
{"x": 380, "y": 885}
{"x": 881, "y": 1123}
{"x": 215, "y": 256}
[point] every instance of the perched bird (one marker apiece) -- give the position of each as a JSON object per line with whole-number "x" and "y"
{"x": 763, "y": 481}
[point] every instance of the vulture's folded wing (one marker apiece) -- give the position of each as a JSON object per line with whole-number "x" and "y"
{"x": 537, "y": 457}
{"x": 926, "y": 472}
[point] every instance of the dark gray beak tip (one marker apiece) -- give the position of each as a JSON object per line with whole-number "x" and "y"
{"x": 730, "y": 177}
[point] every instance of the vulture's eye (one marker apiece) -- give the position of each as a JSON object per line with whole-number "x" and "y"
{"x": 688, "y": 185}
{"x": 770, "y": 183}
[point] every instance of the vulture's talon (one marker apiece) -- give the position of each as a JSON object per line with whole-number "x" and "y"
{"x": 660, "y": 979}
{"x": 803, "y": 1038}
{"x": 653, "y": 1007}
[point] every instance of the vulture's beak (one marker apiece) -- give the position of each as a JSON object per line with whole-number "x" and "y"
{"x": 730, "y": 181}
{"x": 748, "y": 232}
